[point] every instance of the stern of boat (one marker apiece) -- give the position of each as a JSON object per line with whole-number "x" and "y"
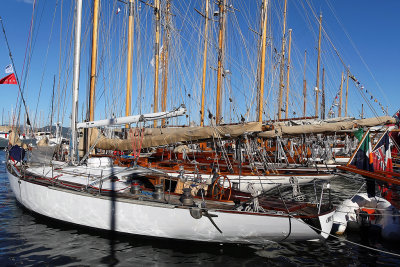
{"x": 326, "y": 223}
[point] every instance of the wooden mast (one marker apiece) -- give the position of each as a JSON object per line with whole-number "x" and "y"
{"x": 262, "y": 63}
{"x": 281, "y": 85}
{"x": 288, "y": 76}
{"x": 318, "y": 67}
{"x": 131, "y": 6}
{"x": 347, "y": 92}
{"x": 340, "y": 96}
{"x": 304, "y": 85}
{"x": 203, "y": 83}
{"x": 221, "y": 5}
{"x": 93, "y": 63}
{"x": 323, "y": 95}
{"x": 165, "y": 61}
{"x": 156, "y": 55}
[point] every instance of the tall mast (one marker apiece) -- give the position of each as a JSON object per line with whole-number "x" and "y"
{"x": 347, "y": 93}
{"x": 131, "y": 10}
{"x": 156, "y": 55}
{"x": 262, "y": 63}
{"x": 52, "y": 103}
{"x": 318, "y": 67}
{"x": 203, "y": 84}
{"x": 75, "y": 84}
{"x": 221, "y": 35}
{"x": 165, "y": 61}
{"x": 340, "y": 96}
{"x": 362, "y": 111}
{"x": 35, "y": 124}
{"x": 288, "y": 75}
{"x": 96, "y": 4}
{"x": 323, "y": 95}
{"x": 93, "y": 65}
{"x": 304, "y": 85}
{"x": 281, "y": 85}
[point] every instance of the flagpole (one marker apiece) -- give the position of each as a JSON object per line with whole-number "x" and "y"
{"x": 16, "y": 76}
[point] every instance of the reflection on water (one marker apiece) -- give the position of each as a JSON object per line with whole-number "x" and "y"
{"x": 28, "y": 239}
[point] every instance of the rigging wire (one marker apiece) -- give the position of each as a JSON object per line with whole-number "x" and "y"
{"x": 45, "y": 60}
{"x": 341, "y": 59}
{"x": 356, "y": 49}
{"x": 16, "y": 76}
{"x": 18, "y": 103}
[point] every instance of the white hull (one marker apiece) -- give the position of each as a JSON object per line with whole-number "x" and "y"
{"x": 162, "y": 220}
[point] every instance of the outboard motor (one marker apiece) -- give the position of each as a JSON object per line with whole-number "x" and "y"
{"x": 363, "y": 218}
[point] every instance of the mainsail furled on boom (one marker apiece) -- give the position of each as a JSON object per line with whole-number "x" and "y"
{"x": 324, "y": 127}
{"x": 154, "y": 137}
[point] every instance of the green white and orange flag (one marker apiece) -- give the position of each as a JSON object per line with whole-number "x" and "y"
{"x": 363, "y": 157}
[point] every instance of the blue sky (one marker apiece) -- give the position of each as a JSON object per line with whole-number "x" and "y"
{"x": 365, "y": 32}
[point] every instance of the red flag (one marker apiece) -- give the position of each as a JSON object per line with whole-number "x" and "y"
{"x": 9, "y": 79}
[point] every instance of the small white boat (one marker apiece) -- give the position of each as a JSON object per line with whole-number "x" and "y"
{"x": 362, "y": 210}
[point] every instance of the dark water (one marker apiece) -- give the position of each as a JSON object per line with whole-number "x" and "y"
{"x": 30, "y": 240}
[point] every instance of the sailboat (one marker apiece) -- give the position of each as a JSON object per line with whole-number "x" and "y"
{"x": 145, "y": 201}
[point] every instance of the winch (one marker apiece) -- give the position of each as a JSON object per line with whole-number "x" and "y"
{"x": 186, "y": 197}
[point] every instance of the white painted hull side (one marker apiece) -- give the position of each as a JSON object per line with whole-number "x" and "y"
{"x": 160, "y": 220}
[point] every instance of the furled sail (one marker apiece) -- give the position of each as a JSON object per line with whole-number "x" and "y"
{"x": 324, "y": 127}
{"x": 13, "y": 139}
{"x": 154, "y": 137}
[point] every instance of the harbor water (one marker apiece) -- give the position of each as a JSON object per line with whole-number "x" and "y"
{"x": 27, "y": 239}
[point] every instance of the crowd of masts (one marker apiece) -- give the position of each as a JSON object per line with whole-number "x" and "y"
{"x": 223, "y": 8}
{"x": 164, "y": 32}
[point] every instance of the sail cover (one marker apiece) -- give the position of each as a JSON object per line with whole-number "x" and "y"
{"x": 324, "y": 127}
{"x": 165, "y": 136}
